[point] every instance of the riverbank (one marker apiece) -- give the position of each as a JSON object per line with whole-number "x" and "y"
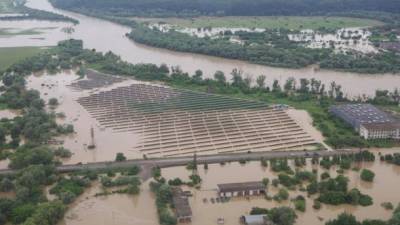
{"x": 94, "y": 38}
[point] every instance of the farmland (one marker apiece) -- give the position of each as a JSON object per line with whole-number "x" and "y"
{"x": 270, "y": 22}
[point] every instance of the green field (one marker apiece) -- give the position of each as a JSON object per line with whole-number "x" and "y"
{"x": 7, "y": 6}
{"x": 11, "y": 32}
{"x": 271, "y": 22}
{"x": 9, "y": 56}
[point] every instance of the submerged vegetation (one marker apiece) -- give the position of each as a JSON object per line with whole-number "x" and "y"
{"x": 310, "y": 95}
{"x": 16, "y": 10}
{"x": 271, "y": 45}
{"x": 267, "y": 22}
{"x": 36, "y": 162}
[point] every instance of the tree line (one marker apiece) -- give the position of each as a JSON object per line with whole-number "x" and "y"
{"x": 157, "y": 8}
{"x": 271, "y": 48}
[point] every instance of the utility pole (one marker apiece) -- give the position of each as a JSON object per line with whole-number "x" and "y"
{"x": 92, "y": 144}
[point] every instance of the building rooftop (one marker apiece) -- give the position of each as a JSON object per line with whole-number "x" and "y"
{"x": 181, "y": 203}
{"x": 256, "y": 220}
{"x": 382, "y": 126}
{"x": 363, "y": 113}
{"x": 246, "y": 186}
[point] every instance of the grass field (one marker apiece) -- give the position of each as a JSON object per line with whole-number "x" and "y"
{"x": 271, "y": 22}
{"x": 7, "y": 6}
{"x": 9, "y": 56}
{"x": 11, "y": 32}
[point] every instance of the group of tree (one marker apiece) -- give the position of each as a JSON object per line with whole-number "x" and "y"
{"x": 349, "y": 219}
{"x": 272, "y": 48}
{"x": 164, "y": 202}
{"x": 173, "y": 8}
{"x": 279, "y": 216}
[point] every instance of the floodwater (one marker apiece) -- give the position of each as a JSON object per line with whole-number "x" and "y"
{"x": 140, "y": 210}
{"x": 9, "y": 113}
{"x": 347, "y": 39}
{"x": 383, "y": 189}
{"x": 44, "y": 33}
{"x": 106, "y": 36}
{"x": 202, "y": 32}
{"x": 107, "y": 143}
{"x": 116, "y": 209}
{"x": 305, "y": 121}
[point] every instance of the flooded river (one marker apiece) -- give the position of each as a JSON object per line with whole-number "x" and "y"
{"x": 106, "y": 36}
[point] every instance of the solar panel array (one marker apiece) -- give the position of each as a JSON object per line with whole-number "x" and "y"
{"x": 180, "y": 122}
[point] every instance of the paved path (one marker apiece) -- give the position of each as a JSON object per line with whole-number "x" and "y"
{"x": 147, "y": 165}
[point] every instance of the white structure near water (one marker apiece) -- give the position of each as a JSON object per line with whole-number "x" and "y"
{"x": 369, "y": 121}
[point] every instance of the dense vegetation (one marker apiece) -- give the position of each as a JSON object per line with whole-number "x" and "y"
{"x": 272, "y": 48}
{"x": 279, "y": 216}
{"x": 268, "y": 22}
{"x": 160, "y": 8}
{"x": 350, "y": 219}
{"x": 9, "y": 56}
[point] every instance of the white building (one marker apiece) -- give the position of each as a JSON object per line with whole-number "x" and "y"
{"x": 380, "y": 130}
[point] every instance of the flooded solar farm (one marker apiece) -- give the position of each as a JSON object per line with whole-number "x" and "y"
{"x": 119, "y": 114}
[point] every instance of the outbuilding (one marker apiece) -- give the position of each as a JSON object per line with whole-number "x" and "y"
{"x": 241, "y": 189}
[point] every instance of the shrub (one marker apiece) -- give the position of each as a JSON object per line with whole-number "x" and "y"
{"x": 120, "y": 157}
{"x": 367, "y": 175}
{"x": 387, "y": 205}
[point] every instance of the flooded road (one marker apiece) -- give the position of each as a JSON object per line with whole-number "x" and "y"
{"x": 106, "y": 36}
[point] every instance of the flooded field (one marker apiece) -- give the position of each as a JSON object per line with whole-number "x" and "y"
{"x": 91, "y": 31}
{"x": 116, "y": 209}
{"x": 344, "y": 40}
{"x": 385, "y": 184}
{"x": 9, "y": 113}
{"x": 140, "y": 210}
{"x": 137, "y": 118}
{"x": 32, "y": 33}
{"x": 57, "y": 86}
{"x": 305, "y": 121}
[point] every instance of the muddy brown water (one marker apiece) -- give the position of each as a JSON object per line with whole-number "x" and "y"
{"x": 106, "y": 36}
{"x": 117, "y": 209}
{"x": 383, "y": 189}
{"x": 138, "y": 210}
{"x": 9, "y": 113}
{"x": 107, "y": 143}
